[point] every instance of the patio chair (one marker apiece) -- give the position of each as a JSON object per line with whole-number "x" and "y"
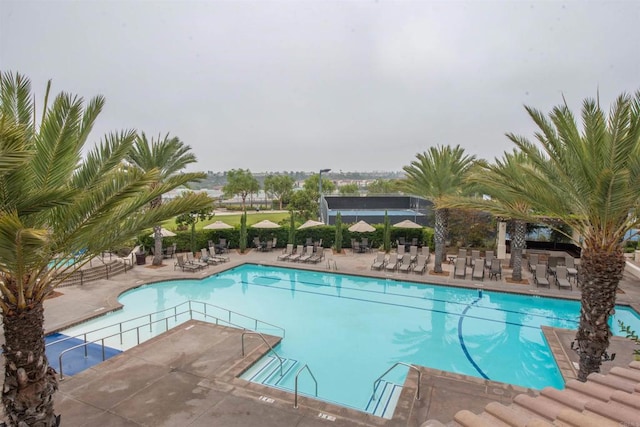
{"x": 223, "y": 246}
{"x": 460, "y": 268}
{"x": 297, "y": 254}
{"x": 286, "y": 253}
{"x": 462, "y": 253}
{"x": 552, "y": 264}
{"x": 269, "y": 246}
{"x": 400, "y": 253}
{"x": 405, "y": 265}
{"x": 413, "y": 251}
{"x": 364, "y": 244}
{"x": 169, "y": 252}
{"x": 216, "y": 256}
{"x": 379, "y": 261}
{"x": 392, "y": 263}
{"x": 541, "y": 277}
{"x": 421, "y": 265}
{"x": 308, "y": 253}
{"x": 478, "y": 270}
{"x": 191, "y": 260}
{"x": 317, "y": 256}
{"x": 309, "y": 241}
{"x": 488, "y": 257}
{"x": 426, "y": 252}
{"x": 572, "y": 271}
{"x": 256, "y": 243}
{"x": 355, "y": 247}
{"x": 561, "y": 278}
{"x": 532, "y": 261}
{"x": 400, "y": 241}
{"x": 495, "y": 269}
{"x": 414, "y": 241}
{"x": 204, "y": 256}
{"x": 180, "y": 262}
{"x": 475, "y": 254}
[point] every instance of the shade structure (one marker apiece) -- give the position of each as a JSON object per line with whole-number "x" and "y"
{"x": 361, "y": 227}
{"x": 265, "y": 224}
{"x": 310, "y": 223}
{"x": 165, "y": 233}
{"x": 407, "y": 223}
{"x": 218, "y": 225}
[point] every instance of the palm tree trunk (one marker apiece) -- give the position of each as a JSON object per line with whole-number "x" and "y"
{"x": 442, "y": 218}
{"x": 157, "y": 235}
{"x": 30, "y": 382}
{"x": 518, "y": 243}
{"x": 601, "y": 271}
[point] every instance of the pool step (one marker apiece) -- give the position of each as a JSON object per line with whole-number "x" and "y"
{"x": 267, "y": 371}
{"x": 387, "y": 395}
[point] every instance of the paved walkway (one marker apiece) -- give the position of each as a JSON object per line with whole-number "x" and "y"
{"x": 187, "y": 376}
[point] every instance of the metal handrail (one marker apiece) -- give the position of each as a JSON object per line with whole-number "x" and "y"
{"x": 376, "y": 382}
{"x": 174, "y": 309}
{"x": 295, "y": 401}
{"x": 268, "y": 345}
{"x": 190, "y": 311}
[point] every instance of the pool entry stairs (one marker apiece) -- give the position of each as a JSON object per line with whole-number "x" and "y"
{"x": 386, "y": 397}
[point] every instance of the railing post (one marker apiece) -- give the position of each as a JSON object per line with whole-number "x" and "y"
{"x": 86, "y": 350}
{"x": 121, "y": 338}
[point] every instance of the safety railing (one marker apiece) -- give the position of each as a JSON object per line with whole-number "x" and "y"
{"x": 295, "y": 398}
{"x": 376, "y": 382}
{"x": 268, "y": 345}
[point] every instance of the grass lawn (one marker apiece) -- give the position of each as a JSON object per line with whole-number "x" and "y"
{"x": 234, "y": 219}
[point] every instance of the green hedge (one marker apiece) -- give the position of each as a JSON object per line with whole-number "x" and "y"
{"x": 325, "y": 232}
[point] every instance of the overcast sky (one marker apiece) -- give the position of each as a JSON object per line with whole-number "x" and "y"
{"x": 305, "y": 85}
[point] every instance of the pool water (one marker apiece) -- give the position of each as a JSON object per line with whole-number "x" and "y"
{"x": 349, "y": 329}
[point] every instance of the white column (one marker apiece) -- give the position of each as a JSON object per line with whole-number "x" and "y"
{"x": 502, "y": 237}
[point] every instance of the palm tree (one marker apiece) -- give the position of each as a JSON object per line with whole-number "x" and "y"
{"x": 169, "y": 156}
{"x": 496, "y": 180}
{"x": 590, "y": 180}
{"x": 436, "y": 175}
{"x": 52, "y": 201}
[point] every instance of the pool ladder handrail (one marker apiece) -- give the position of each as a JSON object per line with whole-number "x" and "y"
{"x": 376, "y": 382}
{"x": 121, "y": 332}
{"x": 246, "y": 332}
{"x": 175, "y": 314}
{"x": 295, "y": 398}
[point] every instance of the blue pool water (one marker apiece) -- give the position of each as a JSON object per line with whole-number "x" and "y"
{"x": 349, "y": 329}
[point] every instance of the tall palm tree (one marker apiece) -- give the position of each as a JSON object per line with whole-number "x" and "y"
{"x": 589, "y": 179}
{"x": 169, "y": 156}
{"x": 436, "y": 175}
{"x": 496, "y": 180}
{"x": 53, "y": 201}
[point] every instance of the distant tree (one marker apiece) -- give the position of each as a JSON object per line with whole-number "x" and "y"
{"x": 347, "y": 189}
{"x": 305, "y": 204}
{"x": 311, "y": 185}
{"x": 382, "y": 186}
{"x": 279, "y": 186}
{"x": 192, "y": 218}
{"x": 240, "y": 182}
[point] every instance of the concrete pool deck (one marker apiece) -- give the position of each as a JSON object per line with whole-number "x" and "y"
{"x": 187, "y": 376}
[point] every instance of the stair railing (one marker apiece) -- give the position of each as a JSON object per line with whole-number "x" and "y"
{"x": 295, "y": 401}
{"x": 376, "y": 382}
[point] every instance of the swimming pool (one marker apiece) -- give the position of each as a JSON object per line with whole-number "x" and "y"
{"x": 350, "y": 329}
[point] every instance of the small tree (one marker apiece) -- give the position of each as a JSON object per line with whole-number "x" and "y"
{"x": 191, "y": 219}
{"x": 292, "y": 229}
{"x": 386, "y": 233}
{"x": 242, "y": 244}
{"x": 305, "y": 204}
{"x": 338, "y": 238}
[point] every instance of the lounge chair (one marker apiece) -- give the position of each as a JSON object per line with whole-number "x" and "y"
{"x": 478, "y": 270}
{"x": 552, "y": 264}
{"x": 488, "y": 257}
{"x": 400, "y": 253}
{"x": 317, "y": 256}
{"x": 379, "y": 261}
{"x": 426, "y": 252}
{"x": 392, "y": 263}
{"x": 541, "y": 277}
{"x": 406, "y": 264}
{"x": 217, "y": 257}
{"x": 475, "y": 254}
{"x": 532, "y": 261}
{"x": 308, "y": 253}
{"x": 421, "y": 264}
{"x": 204, "y": 256}
{"x": 561, "y": 278}
{"x": 297, "y": 254}
{"x": 572, "y": 271}
{"x": 286, "y": 253}
{"x": 460, "y": 268}
{"x": 495, "y": 269}
{"x": 462, "y": 253}
{"x": 180, "y": 262}
{"x": 413, "y": 251}
{"x": 191, "y": 260}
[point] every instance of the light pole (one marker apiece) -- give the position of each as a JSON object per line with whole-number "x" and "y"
{"x": 320, "y": 191}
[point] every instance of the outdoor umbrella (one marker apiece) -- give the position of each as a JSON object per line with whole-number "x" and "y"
{"x": 218, "y": 225}
{"x": 165, "y": 233}
{"x": 265, "y": 224}
{"x": 310, "y": 223}
{"x": 407, "y": 223}
{"x": 361, "y": 227}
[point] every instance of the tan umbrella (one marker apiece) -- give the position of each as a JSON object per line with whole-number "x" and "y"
{"x": 218, "y": 225}
{"x": 165, "y": 233}
{"x": 265, "y": 224}
{"x": 310, "y": 223}
{"x": 361, "y": 227}
{"x": 407, "y": 223}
